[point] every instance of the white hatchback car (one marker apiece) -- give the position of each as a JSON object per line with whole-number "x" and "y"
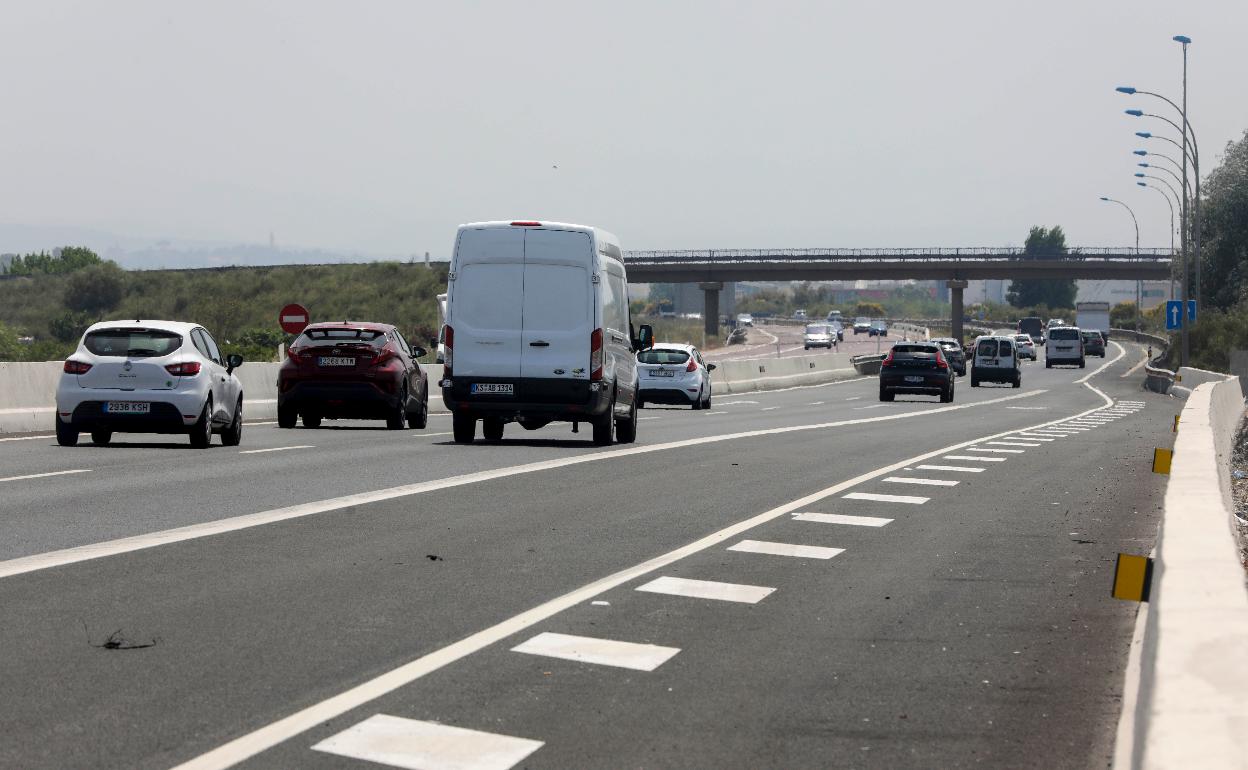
{"x": 673, "y": 374}
{"x": 149, "y": 377}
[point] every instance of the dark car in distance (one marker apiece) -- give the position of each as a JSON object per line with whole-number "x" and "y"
{"x": 953, "y": 353}
{"x": 352, "y": 370}
{"x": 916, "y": 367}
{"x": 1093, "y": 342}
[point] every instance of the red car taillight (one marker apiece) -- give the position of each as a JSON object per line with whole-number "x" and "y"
{"x": 294, "y": 354}
{"x": 184, "y": 369}
{"x": 386, "y": 353}
{"x": 888, "y": 360}
{"x": 693, "y": 365}
{"x": 940, "y": 361}
{"x": 595, "y": 355}
{"x": 76, "y": 367}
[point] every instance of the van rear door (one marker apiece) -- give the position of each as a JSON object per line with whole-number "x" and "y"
{"x": 486, "y": 301}
{"x": 558, "y": 305}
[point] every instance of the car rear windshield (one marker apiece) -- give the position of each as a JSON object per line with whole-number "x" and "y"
{"x": 663, "y": 357}
{"x": 1091, "y": 335}
{"x": 815, "y": 329}
{"x": 133, "y": 343}
{"x": 913, "y": 351}
{"x": 1064, "y": 334}
{"x": 340, "y": 337}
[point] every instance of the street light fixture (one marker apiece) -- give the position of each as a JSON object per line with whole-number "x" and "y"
{"x": 1161, "y": 168}
{"x": 1170, "y": 205}
{"x": 1139, "y": 288}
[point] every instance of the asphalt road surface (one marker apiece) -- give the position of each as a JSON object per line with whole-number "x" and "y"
{"x": 799, "y": 578}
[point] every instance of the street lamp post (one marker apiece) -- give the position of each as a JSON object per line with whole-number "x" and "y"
{"x": 1138, "y": 285}
{"x": 1170, "y": 205}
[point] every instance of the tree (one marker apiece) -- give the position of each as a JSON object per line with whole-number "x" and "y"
{"x": 869, "y": 309}
{"x": 1055, "y": 292}
{"x": 1224, "y": 230}
{"x": 97, "y": 289}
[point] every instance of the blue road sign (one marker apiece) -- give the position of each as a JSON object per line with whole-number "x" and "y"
{"x": 1191, "y": 310}
{"x": 1174, "y": 314}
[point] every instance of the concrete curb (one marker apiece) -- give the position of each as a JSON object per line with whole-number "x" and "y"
{"x": 1190, "y": 693}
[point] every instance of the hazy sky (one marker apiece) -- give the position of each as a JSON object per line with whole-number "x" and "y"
{"x": 380, "y": 126}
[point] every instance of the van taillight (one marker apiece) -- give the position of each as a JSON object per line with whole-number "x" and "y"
{"x": 595, "y": 355}
{"x": 184, "y": 369}
{"x": 448, "y": 341}
{"x": 526, "y": 223}
{"x": 693, "y": 365}
{"x": 76, "y": 367}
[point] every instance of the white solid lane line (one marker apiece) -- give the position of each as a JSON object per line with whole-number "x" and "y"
{"x": 906, "y": 499}
{"x": 921, "y": 482}
{"x": 840, "y": 518}
{"x": 873, "y": 406}
{"x": 451, "y": 432}
{"x": 603, "y": 652}
{"x": 785, "y": 549}
{"x": 1011, "y": 443}
{"x": 276, "y": 449}
{"x": 107, "y": 548}
{"x": 707, "y": 589}
{"x": 416, "y": 745}
{"x": 955, "y": 468}
{"x": 976, "y": 458}
{"x": 45, "y": 475}
{"x": 996, "y": 451}
{"x": 27, "y": 438}
{"x": 854, "y": 398}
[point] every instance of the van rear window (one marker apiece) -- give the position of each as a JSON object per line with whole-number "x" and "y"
{"x": 987, "y": 349}
{"x": 662, "y": 357}
{"x": 132, "y": 343}
{"x": 1064, "y": 334}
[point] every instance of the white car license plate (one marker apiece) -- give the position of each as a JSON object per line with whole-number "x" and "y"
{"x": 914, "y": 378}
{"x": 128, "y": 407}
{"x": 662, "y": 373}
{"x": 335, "y": 361}
{"x": 493, "y": 388}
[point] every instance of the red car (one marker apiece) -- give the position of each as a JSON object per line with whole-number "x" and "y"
{"x": 351, "y": 370}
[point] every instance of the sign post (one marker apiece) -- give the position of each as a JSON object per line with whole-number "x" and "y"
{"x": 293, "y": 318}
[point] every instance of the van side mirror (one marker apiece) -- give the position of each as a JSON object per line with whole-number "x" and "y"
{"x": 233, "y": 361}
{"x": 645, "y": 337}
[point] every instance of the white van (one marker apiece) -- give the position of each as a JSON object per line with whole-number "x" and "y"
{"x": 538, "y": 331}
{"x": 1064, "y": 346}
{"x": 995, "y": 359}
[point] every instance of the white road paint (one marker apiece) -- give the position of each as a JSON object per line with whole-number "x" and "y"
{"x": 108, "y": 548}
{"x": 451, "y": 432}
{"x": 29, "y": 438}
{"x": 954, "y": 468}
{"x": 1012, "y": 443}
{"x": 603, "y": 652}
{"x": 707, "y": 589}
{"x": 995, "y": 451}
{"x": 873, "y": 406}
{"x": 263, "y": 738}
{"x": 417, "y": 745}
{"x": 873, "y": 497}
{"x": 815, "y": 403}
{"x": 785, "y": 549}
{"x": 769, "y": 408}
{"x": 734, "y": 403}
{"x": 46, "y": 475}
{"x": 1121, "y": 352}
{"x": 840, "y": 518}
{"x": 1137, "y": 367}
{"x": 921, "y": 482}
{"x": 976, "y": 458}
{"x": 854, "y": 398}
{"x": 1028, "y": 407}
{"x": 1035, "y": 437}
{"x": 276, "y": 449}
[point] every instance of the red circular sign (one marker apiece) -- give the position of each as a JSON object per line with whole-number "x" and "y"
{"x": 293, "y": 318}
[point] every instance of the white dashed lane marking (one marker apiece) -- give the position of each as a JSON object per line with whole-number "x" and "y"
{"x": 840, "y": 518}
{"x": 956, "y": 468}
{"x": 275, "y": 449}
{"x": 707, "y": 589}
{"x": 996, "y": 451}
{"x": 906, "y": 499}
{"x": 976, "y": 458}
{"x": 921, "y": 482}
{"x": 416, "y": 745}
{"x": 1010, "y": 443}
{"x": 45, "y": 475}
{"x": 785, "y": 549}
{"x": 604, "y": 652}
{"x": 1035, "y": 437}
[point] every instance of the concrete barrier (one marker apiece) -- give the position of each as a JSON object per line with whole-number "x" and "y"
{"x": 910, "y": 331}
{"x": 776, "y": 373}
{"x": 1186, "y": 697}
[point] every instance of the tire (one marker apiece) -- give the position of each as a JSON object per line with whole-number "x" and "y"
{"x": 421, "y": 419}
{"x": 707, "y": 405}
{"x": 697, "y": 402}
{"x": 201, "y": 431}
{"x": 974, "y": 381}
{"x": 287, "y": 417}
{"x": 641, "y": 403}
{"x": 1081, "y": 363}
{"x": 604, "y": 426}
{"x": 1048, "y": 364}
{"x": 397, "y": 419}
{"x": 492, "y": 428}
{"x": 1018, "y": 382}
{"x": 311, "y": 420}
{"x": 886, "y": 395}
{"x": 233, "y": 435}
{"x": 101, "y": 437}
{"x": 626, "y": 429}
{"x": 946, "y": 395}
{"x": 66, "y": 435}
{"x": 465, "y": 428}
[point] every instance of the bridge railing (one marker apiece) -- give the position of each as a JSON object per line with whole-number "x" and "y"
{"x": 971, "y": 253}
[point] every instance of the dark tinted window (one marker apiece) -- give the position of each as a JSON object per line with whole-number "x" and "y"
{"x": 816, "y": 329}
{"x": 133, "y": 343}
{"x": 987, "y": 349}
{"x": 914, "y": 351}
{"x": 1063, "y": 334}
{"x": 341, "y": 337}
{"x": 213, "y": 353}
{"x": 663, "y": 356}
{"x": 1005, "y": 348}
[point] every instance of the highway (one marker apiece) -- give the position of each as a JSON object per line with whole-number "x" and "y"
{"x": 796, "y": 578}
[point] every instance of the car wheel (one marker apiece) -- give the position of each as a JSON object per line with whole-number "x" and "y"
{"x": 1081, "y": 363}
{"x": 604, "y": 426}
{"x": 492, "y": 428}
{"x": 886, "y": 395}
{"x": 1048, "y": 364}
{"x": 311, "y": 420}
{"x": 397, "y": 419}
{"x": 101, "y": 437}
{"x": 66, "y": 435}
{"x": 287, "y": 417}
{"x": 626, "y": 429}
{"x": 1018, "y": 381}
{"x": 946, "y": 395}
{"x": 641, "y": 403}
{"x": 233, "y": 435}
{"x": 697, "y": 402}
{"x": 201, "y": 431}
{"x": 974, "y": 381}
{"x": 709, "y": 393}
{"x": 420, "y": 419}
{"x": 464, "y": 427}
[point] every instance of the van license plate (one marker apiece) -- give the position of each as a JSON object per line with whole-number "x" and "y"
{"x": 493, "y": 388}
{"x": 128, "y": 407}
{"x": 335, "y": 361}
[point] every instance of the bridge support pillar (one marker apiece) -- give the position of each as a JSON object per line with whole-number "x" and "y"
{"x": 710, "y": 307}
{"x": 956, "y": 287}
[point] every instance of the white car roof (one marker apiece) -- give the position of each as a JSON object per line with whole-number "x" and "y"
{"x": 672, "y": 346}
{"x": 602, "y": 235}
{"x": 178, "y": 327}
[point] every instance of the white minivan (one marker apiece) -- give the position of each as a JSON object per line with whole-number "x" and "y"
{"x": 538, "y": 331}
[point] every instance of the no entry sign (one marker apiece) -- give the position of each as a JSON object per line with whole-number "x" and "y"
{"x": 293, "y": 318}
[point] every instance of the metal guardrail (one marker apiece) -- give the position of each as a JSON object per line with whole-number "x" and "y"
{"x": 867, "y": 364}
{"x": 907, "y": 255}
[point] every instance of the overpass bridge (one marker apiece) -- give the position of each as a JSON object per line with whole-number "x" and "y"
{"x": 710, "y": 268}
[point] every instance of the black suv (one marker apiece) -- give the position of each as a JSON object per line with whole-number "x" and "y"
{"x": 916, "y": 367}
